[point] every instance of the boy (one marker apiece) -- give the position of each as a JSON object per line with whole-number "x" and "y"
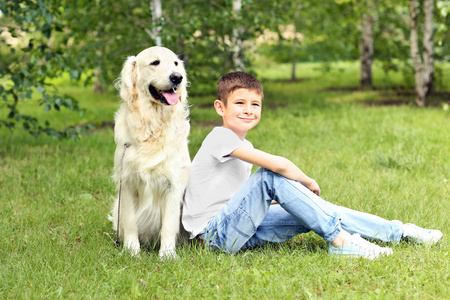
{"x": 228, "y": 210}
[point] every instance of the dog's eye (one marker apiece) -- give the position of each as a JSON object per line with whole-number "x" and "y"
{"x": 154, "y": 63}
{"x": 176, "y": 63}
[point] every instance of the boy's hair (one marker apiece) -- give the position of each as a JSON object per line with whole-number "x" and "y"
{"x": 237, "y": 80}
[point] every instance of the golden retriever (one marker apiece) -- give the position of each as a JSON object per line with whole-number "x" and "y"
{"x": 151, "y": 162}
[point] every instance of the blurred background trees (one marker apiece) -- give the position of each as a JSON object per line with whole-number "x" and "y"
{"x": 89, "y": 40}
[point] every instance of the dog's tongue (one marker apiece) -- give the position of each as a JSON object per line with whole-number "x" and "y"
{"x": 171, "y": 97}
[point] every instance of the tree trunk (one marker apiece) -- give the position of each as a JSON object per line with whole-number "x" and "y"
{"x": 415, "y": 55}
{"x": 155, "y": 6}
{"x": 98, "y": 84}
{"x": 294, "y": 64}
{"x": 238, "y": 50}
{"x": 366, "y": 51}
{"x": 295, "y": 44}
{"x": 428, "y": 54}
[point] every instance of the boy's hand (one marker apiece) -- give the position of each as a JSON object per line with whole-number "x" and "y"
{"x": 277, "y": 164}
{"x": 314, "y": 187}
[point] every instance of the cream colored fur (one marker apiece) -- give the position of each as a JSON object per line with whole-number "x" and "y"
{"x": 156, "y": 164}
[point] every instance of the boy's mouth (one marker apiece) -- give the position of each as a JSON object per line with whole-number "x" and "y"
{"x": 247, "y": 119}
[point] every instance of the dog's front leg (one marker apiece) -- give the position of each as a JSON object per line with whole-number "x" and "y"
{"x": 128, "y": 223}
{"x": 170, "y": 223}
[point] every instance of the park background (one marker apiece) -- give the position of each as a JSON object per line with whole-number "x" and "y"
{"x": 357, "y": 94}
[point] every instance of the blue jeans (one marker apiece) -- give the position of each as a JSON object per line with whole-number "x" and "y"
{"x": 249, "y": 219}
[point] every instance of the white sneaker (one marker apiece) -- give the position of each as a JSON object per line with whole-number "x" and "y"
{"x": 359, "y": 247}
{"x": 421, "y": 235}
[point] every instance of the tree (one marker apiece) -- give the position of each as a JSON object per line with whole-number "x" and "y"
{"x": 310, "y": 31}
{"x": 424, "y": 70}
{"x": 155, "y": 8}
{"x": 428, "y": 44}
{"x": 238, "y": 30}
{"x": 205, "y": 35}
{"x": 366, "y": 47}
{"x": 56, "y": 40}
{"x": 41, "y": 54}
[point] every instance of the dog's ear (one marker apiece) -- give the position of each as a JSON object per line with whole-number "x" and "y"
{"x": 127, "y": 81}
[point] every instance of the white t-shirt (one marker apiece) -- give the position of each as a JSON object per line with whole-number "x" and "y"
{"x": 214, "y": 178}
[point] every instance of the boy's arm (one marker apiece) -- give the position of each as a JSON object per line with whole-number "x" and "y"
{"x": 277, "y": 164}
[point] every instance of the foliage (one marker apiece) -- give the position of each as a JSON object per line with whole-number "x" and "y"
{"x": 94, "y": 37}
{"x": 199, "y": 33}
{"x": 44, "y": 39}
{"x": 37, "y": 53}
{"x": 392, "y": 46}
{"x": 331, "y": 31}
{"x": 442, "y": 36}
{"x": 317, "y": 37}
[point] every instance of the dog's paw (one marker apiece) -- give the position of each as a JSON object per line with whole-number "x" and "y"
{"x": 127, "y": 251}
{"x": 132, "y": 247}
{"x": 167, "y": 254}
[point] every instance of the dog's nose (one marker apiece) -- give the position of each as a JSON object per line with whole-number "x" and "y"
{"x": 176, "y": 78}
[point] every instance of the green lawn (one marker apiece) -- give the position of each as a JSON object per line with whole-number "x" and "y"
{"x": 393, "y": 161}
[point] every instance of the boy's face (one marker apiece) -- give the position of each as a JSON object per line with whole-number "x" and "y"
{"x": 242, "y": 112}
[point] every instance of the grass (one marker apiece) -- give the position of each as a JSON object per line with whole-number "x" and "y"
{"x": 391, "y": 161}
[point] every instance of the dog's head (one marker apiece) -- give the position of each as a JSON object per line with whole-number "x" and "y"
{"x": 155, "y": 73}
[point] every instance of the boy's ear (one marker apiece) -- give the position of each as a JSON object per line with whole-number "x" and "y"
{"x": 219, "y": 106}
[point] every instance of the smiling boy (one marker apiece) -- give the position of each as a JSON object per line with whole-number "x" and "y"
{"x": 230, "y": 210}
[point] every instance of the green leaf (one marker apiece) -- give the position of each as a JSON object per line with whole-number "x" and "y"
{"x": 74, "y": 74}
{"x": 69, "y": 103}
